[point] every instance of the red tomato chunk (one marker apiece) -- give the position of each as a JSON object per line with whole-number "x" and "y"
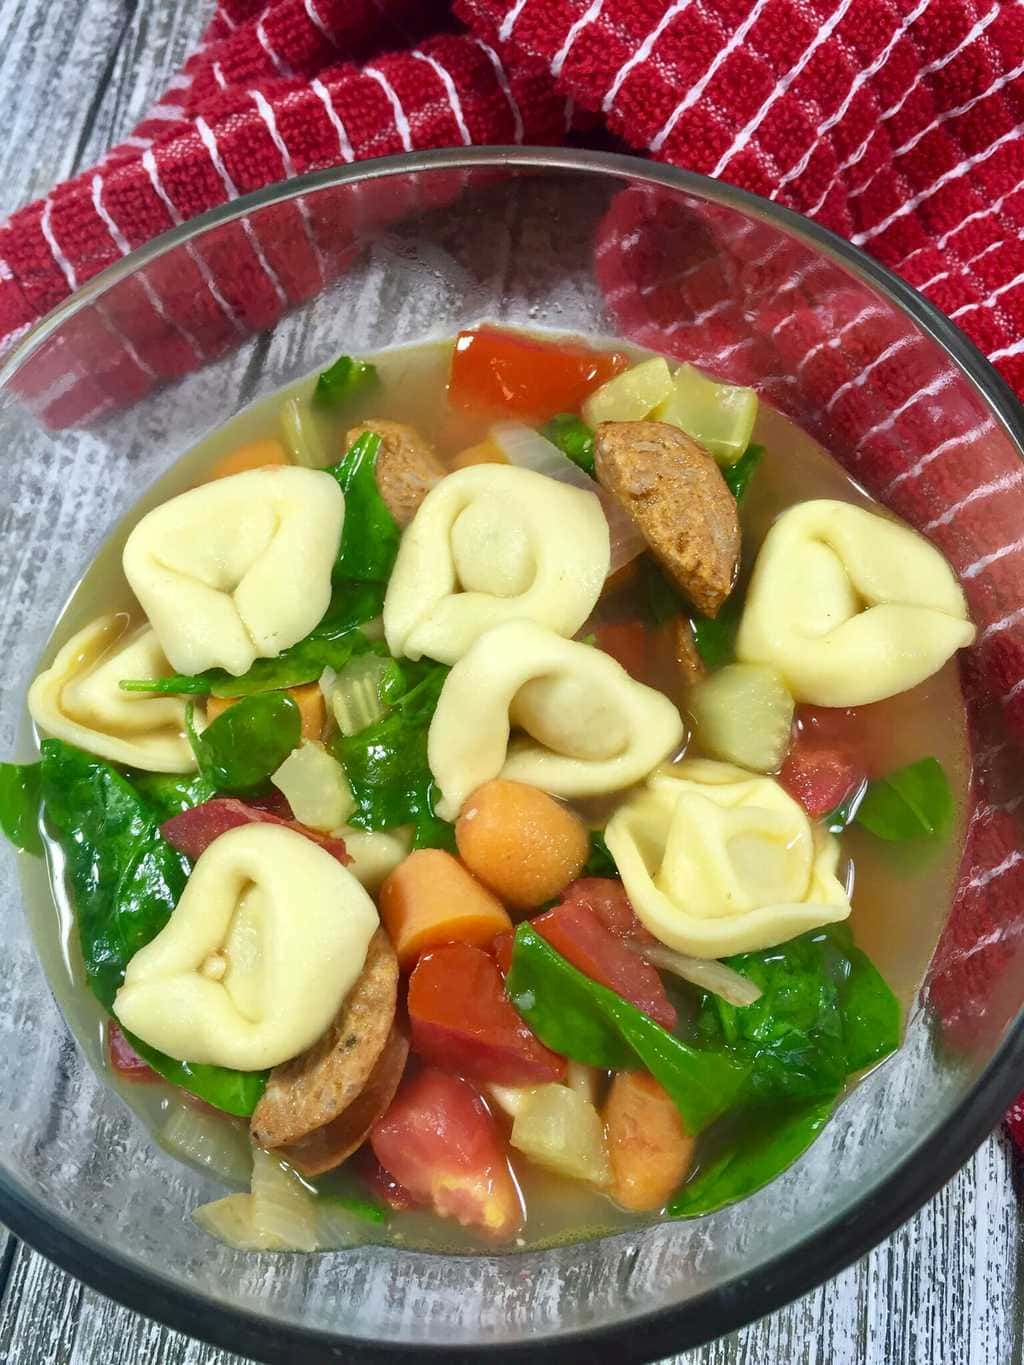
{"x": 822, "y": 767}
{"x": 504, "y": 373}
{"x": 627, "y": 642}
{"x": 124, "y": 1059}
{"x": 463, "y": 1022}
{"x": 193, "y": 831}
{"x": 440, "y": 1142}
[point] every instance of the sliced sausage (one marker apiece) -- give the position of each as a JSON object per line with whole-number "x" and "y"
{"x": 674, "y": 492}
{"x": 316, "y": 1087}
{"x": 406, "y": 469}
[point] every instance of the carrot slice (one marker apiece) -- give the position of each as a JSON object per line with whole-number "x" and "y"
{"x": 252, "y": 455}
{"x": 308, "y": 698}
{"x": 431, "y": 899}
{"x": 648, "y": 1147}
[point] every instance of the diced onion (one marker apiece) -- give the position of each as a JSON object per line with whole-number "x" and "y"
{"x": 528, "y": 449}
{"x": 219, "y": 1145}
{"x": 561, "y": 1131}
{"x": 583, "y": 1079}
{"x": 280, "y": 1214}
{"x": 230, "y": 1221}
{"x": 508, "y": 1098}
{"x": 707, "y": 973}
{"x": 301, "y": 434}
{"x": 315, "y": 787}
{"x": 355, "y": 696}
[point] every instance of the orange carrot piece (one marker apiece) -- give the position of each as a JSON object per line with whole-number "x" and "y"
{"x": 308, "y": 698}
{"x": 649, "y": 1150}
{"x": 251, "y": 455}
{"x": 431, "y": 899}
{"x": 484, "y": 452}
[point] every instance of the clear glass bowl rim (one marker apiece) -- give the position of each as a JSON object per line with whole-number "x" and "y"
{"x": 725, "y": 1308}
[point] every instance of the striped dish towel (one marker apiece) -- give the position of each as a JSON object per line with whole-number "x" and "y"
{"x": 897, "y": 123}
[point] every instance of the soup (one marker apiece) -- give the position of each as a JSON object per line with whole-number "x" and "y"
{"x": 494, "y": 792}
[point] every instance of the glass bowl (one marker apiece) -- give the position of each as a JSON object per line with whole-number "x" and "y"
{"x": 178, "y": 336}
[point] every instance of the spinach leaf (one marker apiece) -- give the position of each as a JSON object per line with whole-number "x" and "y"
{"x": 433, "y": 832}
{"x": 737, "y": 476}
{"x": 247, "y": 742}
{"x": 20, "y": 794}
{"x": 369, "y": 539}
{"x": 660, "y": 597}
{"x": 344, "y": 381}
{"x": 574, "y": 438}
{"x": 356, "y": 1205}
{"x": 824, "y": 1012}
{"x": 330, "y": 644}
{"x": 911, "y": 803}
{"x": 600, "y": 862}
{"x": 768, "y": 1140}
{"x": 580, "y": 1019}
{"x": 234, "y": 1092}
{"x": 716, "y": 639}
{"x": 386, "y": 763}
{"x": 170, "y": 794}
{"x": 124, "y": 881}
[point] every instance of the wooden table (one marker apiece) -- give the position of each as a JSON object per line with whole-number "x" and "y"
{"x": 944, "y": 1290}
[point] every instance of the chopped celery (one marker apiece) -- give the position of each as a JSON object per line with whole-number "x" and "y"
{"x": 630, "y": 396}
{"x": 356, "y": 697}
{"x": 719, "y": 416}
{"x": 743, "y": 714}
{"x": 315, "y": 786}
{"x": 302, "y": 435}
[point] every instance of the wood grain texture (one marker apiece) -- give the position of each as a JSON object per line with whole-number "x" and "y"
{"x": 944, "y": 1290}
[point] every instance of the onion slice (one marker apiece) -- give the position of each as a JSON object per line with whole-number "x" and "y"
{"x": 707, "y": 973}
{"x": 528, "y": 449}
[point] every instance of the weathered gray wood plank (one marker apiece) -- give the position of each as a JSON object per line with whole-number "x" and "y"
{"x": 944, "y": 1290}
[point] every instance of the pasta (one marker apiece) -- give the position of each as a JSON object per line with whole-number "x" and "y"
{"x": 238, "y": 569}
{"x": 716, "y": 860}
{"x": 494, "y": 543}
{"x": 586, "y": 726}
{"x": 849, "y": 606}
{"x": 268, "y": 938}
{"x": 78, "y": 699}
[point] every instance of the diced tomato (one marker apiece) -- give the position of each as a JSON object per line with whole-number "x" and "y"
{"x": 606, "y": 896}
{"x": 193, "y": 831}
{"x": 439, "y": 1140}
{"x": 822, "y": 767}
{"x": 628, "y": 642}
{"x": 124, "y": 1059}
{"x": 506, "y": 373}
{"x": 381, "y": 1183}
{"x": 462, "y": 1021}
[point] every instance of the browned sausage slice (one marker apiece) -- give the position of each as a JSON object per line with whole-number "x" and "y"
{"x": 314, "y": 1088}
{"x": 406, "y": 468}
{"x": 674, "y": 492}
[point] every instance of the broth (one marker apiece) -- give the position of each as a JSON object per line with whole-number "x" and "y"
{"x": 900, "y": 896}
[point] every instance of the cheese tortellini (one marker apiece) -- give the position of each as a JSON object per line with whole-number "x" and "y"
{"x": 586, "y": 726}
{"x": 267, "y": 940}
{"x": 494, "y": 543}
{"x": 717, "y": 860}
{"x": 849, "y": 606}
{"x": 79, "y": 699}
{"x": 238, "y": 569}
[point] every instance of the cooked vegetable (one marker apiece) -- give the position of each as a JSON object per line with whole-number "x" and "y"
{"x": 821, "y": 772}
{"x": 707, "y": 973}
{"x": 628, "y": 642}
{"x": 581, "y": 1019}
{"x": 251, "y": 455}
{"x": 715, "y": 640}
{"x": 600, "y": 862}
{"x": 240, "y": 750}
{"x": 484, "y": 452}
{"x": 573, "y": 438}
{"x": 370, "y": 535}
{"x": 720, "y": 416}
{"x": 386, "y": 764}
{"x": 770, "y": 1140}
{"x": 441, "y": 1143}
{"x": 302, "y": 434}
{"x": 560, "y": 1130}
{"x": 170, "y": 795}
{"x": 498, "y": 371}
{"x": 462, "y": 1021}
{"x": 431, "y": 899}
{"x": 911, "y": 803}
{"x": 319, "y": 1106}
{"x": 737, "y": 476}
{"x": 124, "y": 1060}
{"x": 406, "y": 467}
{"x": 824, "y": 1012}
{"x": 632, "y": 395}
{"x": 375, "y": 855}
{"x": 343, "y": 1221}
{"x": 279, "y": 1215}
{"x": 743, "y": 714}
{"x": 315, "y": 786}
{"x": 307, "y": 698}
{"x": 355, "y": 693}
{"x": 649, "y": 1149}
{"x": 344, "y": 381}
{"x": 220, "y": 1145}
{"x": 675, "y": 493}
{"x": 520, "y": 842}
{"x": 193, "y": 831}
{"x": 20, "y": 793}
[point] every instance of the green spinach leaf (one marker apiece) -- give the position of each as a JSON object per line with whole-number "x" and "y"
{"x": 247, "y": 742}
{"x": 768, "y": 1140}
{"x": 234, "y": 1092}
{"x": 600, "y": 862}
{"x": 20, "y": 794}
{"x": 737, "y": 476}
{"x": 574, "y": 438}
{"x": 170, "y": 794}
{"x": 369, "y": 540}
{"x": 911, "y": 803}
{"x": 357, "y": 1205}
{"x": 578, "y": 1018}
{"x": 344, "y": 381}
{"x": 716, "y": 639}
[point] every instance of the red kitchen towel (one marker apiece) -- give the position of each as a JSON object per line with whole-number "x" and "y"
{"x": 898, "y": 123}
